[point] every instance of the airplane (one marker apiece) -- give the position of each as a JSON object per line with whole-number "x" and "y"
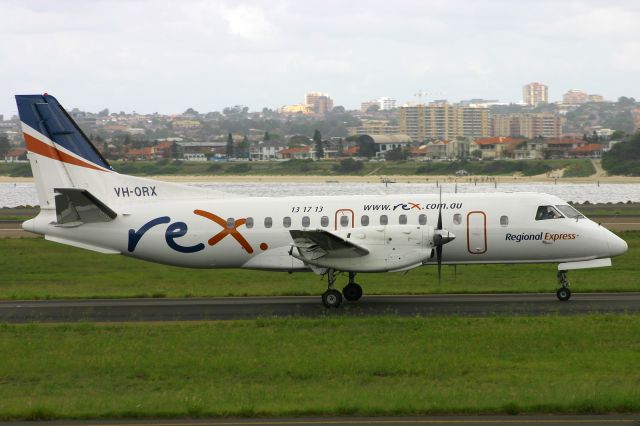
{"x": 85, "y": 203}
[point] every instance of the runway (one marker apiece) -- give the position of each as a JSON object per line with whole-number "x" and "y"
{"x": 233, "y": 308}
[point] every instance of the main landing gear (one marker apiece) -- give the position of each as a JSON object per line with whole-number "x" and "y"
{"x": 563, "y": 293}
{"x": 332, "y": 298}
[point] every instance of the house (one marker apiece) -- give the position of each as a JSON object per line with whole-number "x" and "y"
{"x": 147, "y": 153}
{"x": 384, "y": 143}
{"x": 297, "y": 153}
{"x": 266, "y": 150}
{"x": 494, "y": 147}
{"x": 561, "y": 147}
{"x": 532, "y": 149}
{"x": 591, "y": 150}
{"x": 15, "y": 155}
{"x": 438, "y": 150}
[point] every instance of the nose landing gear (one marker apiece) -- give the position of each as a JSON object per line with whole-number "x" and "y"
{"x": 563, "y": 293}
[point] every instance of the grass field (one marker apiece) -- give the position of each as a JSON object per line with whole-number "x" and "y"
{"x": 37, "y": 269}
{"x": 281, "y": 367}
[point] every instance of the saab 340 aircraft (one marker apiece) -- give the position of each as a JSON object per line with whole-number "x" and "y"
{"x": 84, "y": 203}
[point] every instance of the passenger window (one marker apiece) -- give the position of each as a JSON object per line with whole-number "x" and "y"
{"x": 364, "y": 220}
{"x": 268, "y": 222}
{"x": 547, "y": 212}
{"x": 249, "y": 222}
{"x": 422, "y": 219}
{"x": 402, "y": 220}
{"x": 504, "y": 220}
{"x": 457, "y": 219}
{"x": 286, "y": 221}
{"x": 231, "y": 223}
{"x": 344, "y": 221}
{"x": 384, "y": 219}
{"x": 306, "y": 221}
{"x": 324, "y": 221}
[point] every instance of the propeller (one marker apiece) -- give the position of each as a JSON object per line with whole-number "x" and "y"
{"x": 440, "y": 238}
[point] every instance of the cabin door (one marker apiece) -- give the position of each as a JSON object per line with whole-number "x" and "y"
{"x": 477, "y": 232}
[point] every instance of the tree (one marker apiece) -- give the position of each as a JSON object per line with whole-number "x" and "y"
{"x": 623, "y": 158}
{"x": 366, "y": 147}
{"x": 266, "y": 136}
{"x": 174, "y": 151}
{"x": 338, "y": 109}
{"x": 229, "y": 146}
{"x": 4, "y": 145}
{"x": 317, "y": 141}
{"x": 243, "y": 148}
{"x": 340, "y": 148}
{"x": 348, "y": 165}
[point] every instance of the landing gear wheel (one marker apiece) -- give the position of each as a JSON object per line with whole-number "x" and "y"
{"x": 331, "y": 298}
{"x": 352, "y": 292}
{"x": 563, "y": 294}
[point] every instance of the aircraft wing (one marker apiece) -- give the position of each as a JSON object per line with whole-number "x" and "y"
{"x": 314, "y": 244}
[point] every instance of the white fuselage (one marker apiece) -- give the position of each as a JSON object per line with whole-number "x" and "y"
{"x": 253, "y": 232}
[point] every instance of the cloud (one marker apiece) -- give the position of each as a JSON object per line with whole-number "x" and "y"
{"x": 593, "y": 23}
{"x": 627, "y": 58}
{"x": 249, "y": 23}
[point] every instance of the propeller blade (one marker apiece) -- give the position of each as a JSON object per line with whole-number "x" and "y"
{"x": 440, "y": 211}
{"x": 439, "y": 258}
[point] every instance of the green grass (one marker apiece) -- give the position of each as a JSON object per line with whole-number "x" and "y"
{"x": 579, "y": 168}
{"x": 38, "y": 269}
{"x": 347, "y": 366}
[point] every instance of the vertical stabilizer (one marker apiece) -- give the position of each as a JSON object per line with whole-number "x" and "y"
{"x": 60, "y": 154}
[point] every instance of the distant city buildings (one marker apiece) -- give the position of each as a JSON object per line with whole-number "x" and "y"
{"x": 575, "y": 97}
{"x": 383, "y": 104}
{"x": 319, "y": 103}
{"x": 296, "y": 109}
{"x": 535, "y": 94}
{"x": 375, "y": 127}
{"x": 443, "y": 121}
{"x": 528, "y": 125}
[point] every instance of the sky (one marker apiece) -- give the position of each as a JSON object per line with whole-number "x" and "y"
{"x": 166, "y": 56}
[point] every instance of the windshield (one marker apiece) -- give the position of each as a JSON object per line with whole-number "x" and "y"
{"x": 547, "y": 212}
{"x": 569, "y": 211}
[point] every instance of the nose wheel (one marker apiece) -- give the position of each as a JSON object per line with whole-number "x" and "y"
{"x": 563, "y": 293}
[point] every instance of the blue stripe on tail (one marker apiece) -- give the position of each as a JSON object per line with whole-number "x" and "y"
{"x": 44, "y": 114}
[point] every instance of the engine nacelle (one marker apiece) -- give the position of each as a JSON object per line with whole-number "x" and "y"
{"x": 391, "y": 248}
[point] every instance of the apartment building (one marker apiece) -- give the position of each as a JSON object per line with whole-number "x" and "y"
{"x": 319, "y": 103}
{"x": 535, "y": 93}
{"x": 529, "y": 125}
{"x": 443, "y": 122}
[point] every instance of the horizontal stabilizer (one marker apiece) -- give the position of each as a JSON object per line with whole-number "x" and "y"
{"x": 77, "y": 206}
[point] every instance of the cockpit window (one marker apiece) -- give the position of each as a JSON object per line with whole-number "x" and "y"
{"x": 569, "y": 211}
{"x": 547, "y": 212}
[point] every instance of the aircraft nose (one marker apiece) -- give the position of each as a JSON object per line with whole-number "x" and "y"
{"x": 617, "y": 245}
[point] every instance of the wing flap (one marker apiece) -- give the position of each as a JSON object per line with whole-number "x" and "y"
{"x": 314, "y": 244}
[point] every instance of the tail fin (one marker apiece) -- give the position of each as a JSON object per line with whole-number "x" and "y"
{"x": 60, "y": 154}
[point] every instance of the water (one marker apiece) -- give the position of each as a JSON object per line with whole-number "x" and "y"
{"x": 17, "y": 194}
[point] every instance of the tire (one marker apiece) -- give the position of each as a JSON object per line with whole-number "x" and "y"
{"x": 352, "y": 292}
{"x": 563, "y": 294}
{"x": 331, "y": 298}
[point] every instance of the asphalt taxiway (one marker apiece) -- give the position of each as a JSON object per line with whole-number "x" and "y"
{"x": 231, "y": 308}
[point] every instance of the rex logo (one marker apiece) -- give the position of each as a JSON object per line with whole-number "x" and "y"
{"x": 177, "y": 230}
